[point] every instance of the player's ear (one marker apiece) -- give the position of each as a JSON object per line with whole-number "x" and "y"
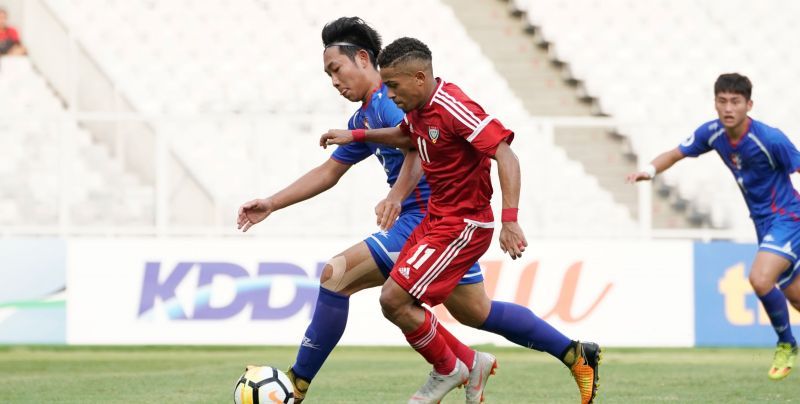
{"x": 363, "y": 58}
{"x": 420, "y": 76}
{"x": 749, "y": 105}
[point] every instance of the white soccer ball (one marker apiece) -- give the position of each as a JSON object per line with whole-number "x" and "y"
{"x": 263, "y": 385}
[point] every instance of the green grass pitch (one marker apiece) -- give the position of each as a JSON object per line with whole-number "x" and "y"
{"x": 31, "y": 374}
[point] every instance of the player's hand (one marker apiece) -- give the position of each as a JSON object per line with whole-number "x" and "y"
{"x": 386, "y": 213}
{"x": 512, "y": 239}
{"x": 253, "y": 212}
{"x": 636, "y": 177}
{"x": 335, "y": 136}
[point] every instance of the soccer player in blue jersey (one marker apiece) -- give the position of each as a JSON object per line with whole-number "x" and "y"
{"x": 351, "y": 48}
{"x": 761, "y": 158}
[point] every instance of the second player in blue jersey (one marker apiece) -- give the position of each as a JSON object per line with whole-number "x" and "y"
{"x": 761, "y": 158}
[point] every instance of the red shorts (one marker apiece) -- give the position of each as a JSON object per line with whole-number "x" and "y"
{"x": 438, "y": 254}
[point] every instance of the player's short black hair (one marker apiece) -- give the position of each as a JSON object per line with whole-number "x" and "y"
{"x": 733, "y": 83}
{"x": 404, "y": 49}
{"x": 352, "y": 34}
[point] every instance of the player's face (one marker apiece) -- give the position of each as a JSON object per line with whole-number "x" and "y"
{"x": 3, "y": 18}
{"x": 732, "y": 108}
{"x": 404, "y": 88}
{"x": 347, "y": 75}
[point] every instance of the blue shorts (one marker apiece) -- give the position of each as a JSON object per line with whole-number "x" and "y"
{"x": 781, "y": 237}
{"x": 386, "y": 246}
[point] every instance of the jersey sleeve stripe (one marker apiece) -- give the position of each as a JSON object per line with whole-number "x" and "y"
{"x": 480, "y": 127}
{"x": 459, "y": 104}
{"x": 763, "y": 149}
{"x": 468, "y": 123}
{"x": 715, "y": 136}
{"x": 456, "y": 110}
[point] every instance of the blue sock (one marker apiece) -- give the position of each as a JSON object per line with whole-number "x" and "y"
{"x": 519, "y": 325}
{"x": 778, "y": 311}
{"x": 322, "y": 335}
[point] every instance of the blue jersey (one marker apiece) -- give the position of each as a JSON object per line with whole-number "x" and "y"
{"x": 381, "y": 112}
{"x": 760, "y": 161}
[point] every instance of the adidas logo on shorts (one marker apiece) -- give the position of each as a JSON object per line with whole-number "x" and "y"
{"x": 404, "y": 271}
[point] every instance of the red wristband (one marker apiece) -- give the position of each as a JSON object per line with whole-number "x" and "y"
{"x": 359, "y": 135}
{"x": 509, "y": 215}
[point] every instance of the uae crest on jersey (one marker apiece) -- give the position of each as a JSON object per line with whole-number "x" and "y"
{"x": 366, "y": 123}
{"x": 433, "y": 133}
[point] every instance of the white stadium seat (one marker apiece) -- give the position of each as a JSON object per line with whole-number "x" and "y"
{"x": 36, "y": 152}
{"x": 652, "y": 64}
{"x": 263, "y": 58}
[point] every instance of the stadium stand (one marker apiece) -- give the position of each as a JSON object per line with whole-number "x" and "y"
{"x": 44, "y": 140}
{"x": 658, "y": 83}
{"x": 178, "y": 58}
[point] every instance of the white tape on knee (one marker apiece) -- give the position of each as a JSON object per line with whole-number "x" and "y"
{"x": 338, "y": 268}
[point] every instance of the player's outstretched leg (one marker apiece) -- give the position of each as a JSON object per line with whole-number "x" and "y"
{"x": 470, "y": 306}
{"x": 322, "y": 335}
{"x": 345, "y": 274}
{"x": 519, "y": 325}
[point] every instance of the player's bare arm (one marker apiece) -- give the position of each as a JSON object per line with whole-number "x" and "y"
{"x": 512, "y": 239}
{"x": 389, "y": 136}
{"x": 660, "y": 164}
{"x": 312, "y": 183}
{"x": 387, "y": 210}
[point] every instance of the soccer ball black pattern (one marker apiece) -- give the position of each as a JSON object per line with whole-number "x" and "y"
{"x": 263, "y": 385}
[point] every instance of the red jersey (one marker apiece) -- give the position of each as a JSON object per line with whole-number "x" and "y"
{"x": 9, "y": 34}
{"x": 455, "y": 139}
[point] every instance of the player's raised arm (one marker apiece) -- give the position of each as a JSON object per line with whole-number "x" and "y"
{"x": 387, "y": 210}
{"x": 512, "y": 239}
{"x": 393, "y": 136}
{"x": 658, "y": 165}
{"x": 312, "y": 183}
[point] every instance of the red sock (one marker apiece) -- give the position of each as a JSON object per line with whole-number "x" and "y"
{"x": 462, "y": 352}
{"x": 432, "y": 345}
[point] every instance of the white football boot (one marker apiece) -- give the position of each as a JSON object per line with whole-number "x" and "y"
{"x": 438, "y": 385}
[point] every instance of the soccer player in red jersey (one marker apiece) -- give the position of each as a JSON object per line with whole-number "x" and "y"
{"x": 9, "y": 38}
{"x": 349, "y": 58}
{"x": 453, "y": 139}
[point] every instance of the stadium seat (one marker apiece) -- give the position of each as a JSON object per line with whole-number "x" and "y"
{"x": 651, "y": 65}
{"x": 47, "y": 155}
{"x": 168, "y": 58}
